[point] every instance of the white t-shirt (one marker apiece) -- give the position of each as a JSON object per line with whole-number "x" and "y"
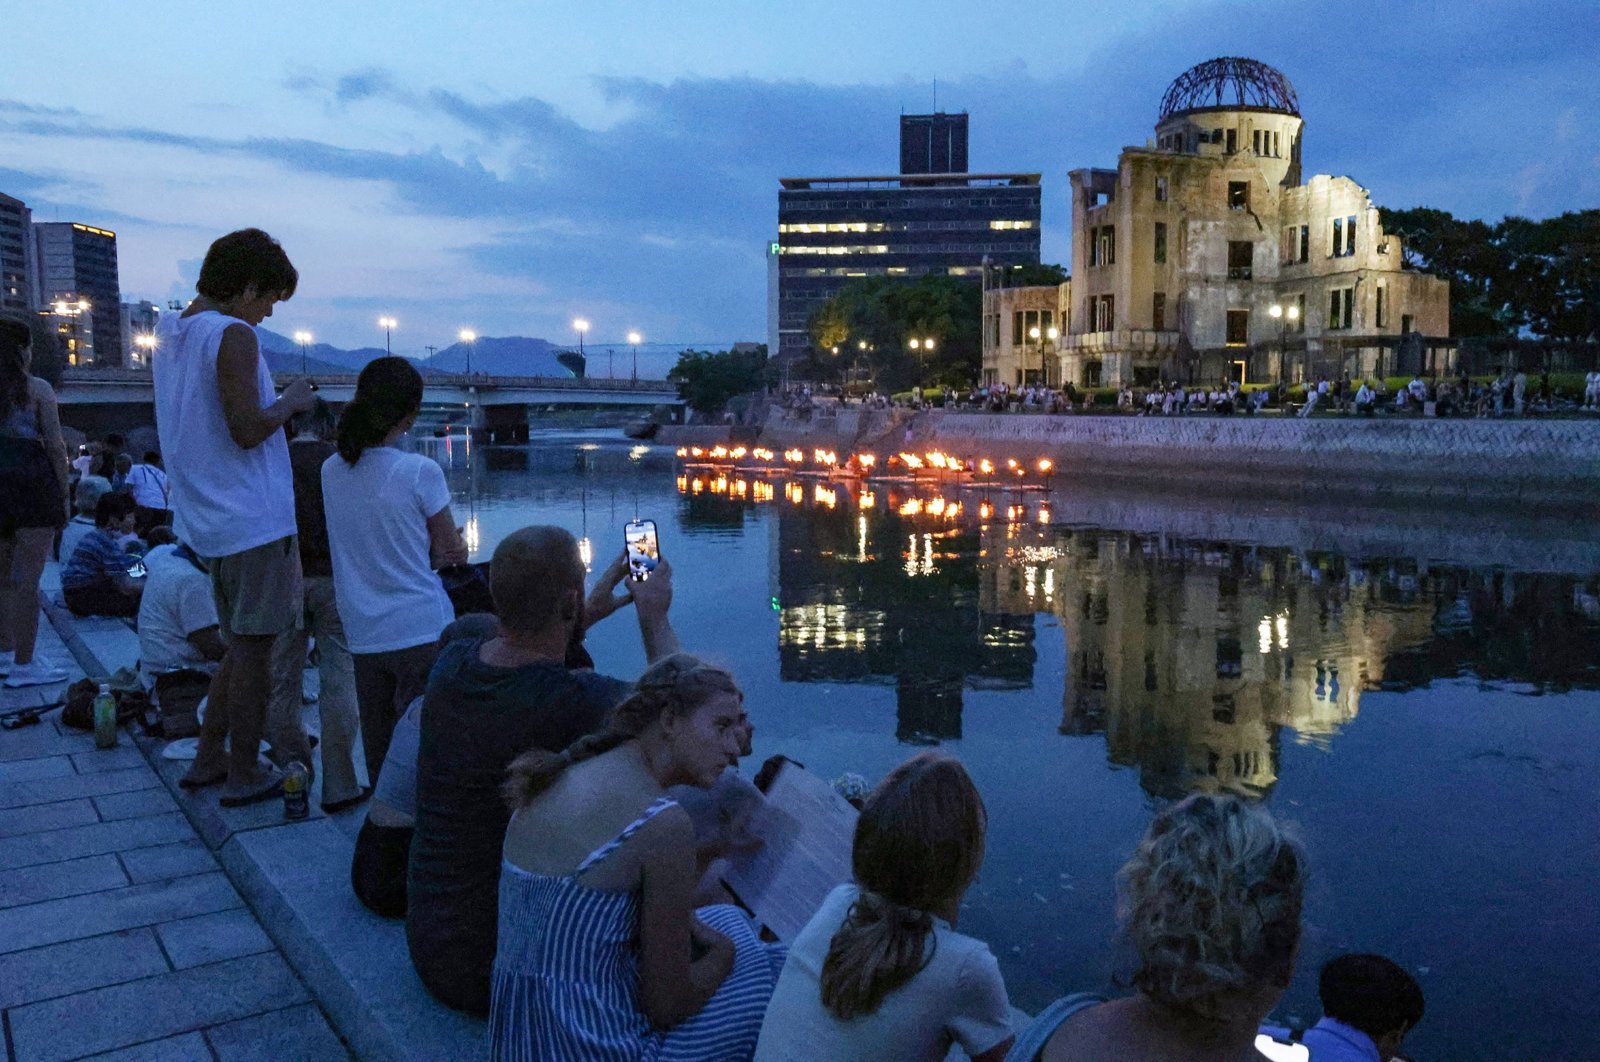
{"x": 959, "y": 997}
{"x": 177, "y": 601}
{"x": 225, "y": 499}
{"x": 148, "y": 484}
{"x": 377, "y": 509}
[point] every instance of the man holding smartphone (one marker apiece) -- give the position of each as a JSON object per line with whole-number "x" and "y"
{"x": 490, "y": 699}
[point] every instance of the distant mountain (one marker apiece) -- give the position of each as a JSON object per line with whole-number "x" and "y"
{"x": 333, "y": 359}
{"x": 505, "y": 356}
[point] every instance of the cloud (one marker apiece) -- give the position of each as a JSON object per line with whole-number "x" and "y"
{"x": 662, "y": 211}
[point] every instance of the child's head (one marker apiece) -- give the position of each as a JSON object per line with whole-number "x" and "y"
{"x": 918, "y": 846}
{"x": 1374, "y": 995}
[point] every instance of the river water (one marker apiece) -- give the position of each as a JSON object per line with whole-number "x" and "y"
{"x": 1418, "y": 692}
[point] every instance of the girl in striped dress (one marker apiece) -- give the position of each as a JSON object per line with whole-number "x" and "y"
{"x": 601, "y": 954}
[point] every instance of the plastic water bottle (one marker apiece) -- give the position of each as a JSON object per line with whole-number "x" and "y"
{"x": 296, "y": 792}
{"x": 105, "y": 718}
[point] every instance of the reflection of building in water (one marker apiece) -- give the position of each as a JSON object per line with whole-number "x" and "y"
{"x": 1191, "y": 657}
{"x": 892, "y": 599}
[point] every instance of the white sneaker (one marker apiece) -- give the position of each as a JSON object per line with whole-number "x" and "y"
{"x": 33, "y": 673}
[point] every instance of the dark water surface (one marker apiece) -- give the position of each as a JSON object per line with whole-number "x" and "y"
{"x": 1415, "y": 690}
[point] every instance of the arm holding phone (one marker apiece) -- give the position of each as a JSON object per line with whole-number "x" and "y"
{"x": 651, "y": 597}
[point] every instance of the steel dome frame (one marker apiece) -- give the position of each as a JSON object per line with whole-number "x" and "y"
{"x": 1230, "y": 81}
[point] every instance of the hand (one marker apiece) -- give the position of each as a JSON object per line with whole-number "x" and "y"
{"x": 653, "y": 596}
{"x": 455, "y": 553}
{"x": 299, "y": 396}
{"x": 603, "y": 600}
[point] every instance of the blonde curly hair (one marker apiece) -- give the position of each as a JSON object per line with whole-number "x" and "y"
{"x": 1210, "y": 902}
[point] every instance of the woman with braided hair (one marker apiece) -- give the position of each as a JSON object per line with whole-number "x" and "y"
{"x": 880, "y": 972}
{"x": 601, "y": 954}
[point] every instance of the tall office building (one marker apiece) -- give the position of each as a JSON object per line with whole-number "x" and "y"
{"x": 933, "y": 143}
{"x": 78, "y": 264}
{"x": 18, "y": 274}
{"x": 832, "y": 230}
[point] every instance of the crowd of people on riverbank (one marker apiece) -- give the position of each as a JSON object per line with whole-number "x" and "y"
{"x": 1507, "y": 393}
{"x": 551, "y": 835}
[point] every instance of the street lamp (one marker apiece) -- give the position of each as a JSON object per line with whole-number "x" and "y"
{"x": 146, "y": 342}
{"x": 1282, "y": 314}
{"x": 1035, "y": 334}
{"x": 387, "y": 324}
{"x": 304, "y": 339}
{"x": 634, "y": 339}
{"x": 469, "y": 337}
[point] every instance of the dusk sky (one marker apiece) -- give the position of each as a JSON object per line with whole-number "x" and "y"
{"x": 510, "y": 165}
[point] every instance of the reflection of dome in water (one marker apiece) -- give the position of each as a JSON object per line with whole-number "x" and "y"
{"x": 1230, "y": 82}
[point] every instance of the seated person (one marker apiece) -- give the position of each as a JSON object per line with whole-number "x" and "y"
{"x": 879, "y": 972}
{"x": 1369, "y": 1004}
{"x": 489, "y": 700}
{"x": 602, "y": 954}
{"x": 383, "y": 847}
{"x": 1214, "y": 876}
{"x": 178, "y": 625}
{"x": 1366, "y": 399}
{"x": 85, "y": 496}
{"x": 100, "y": 578}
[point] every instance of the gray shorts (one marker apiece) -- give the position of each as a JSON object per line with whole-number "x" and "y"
{"x": 258, "y": 591}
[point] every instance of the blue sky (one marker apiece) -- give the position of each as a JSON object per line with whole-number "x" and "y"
{"x": 511, "y": 165}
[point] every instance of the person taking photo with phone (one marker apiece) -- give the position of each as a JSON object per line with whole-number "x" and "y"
{"x": 489, "y": 699}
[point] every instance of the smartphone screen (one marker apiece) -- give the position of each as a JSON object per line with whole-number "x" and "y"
{"x": 1279, "y": 1051}
{"x": 644, "y": 550}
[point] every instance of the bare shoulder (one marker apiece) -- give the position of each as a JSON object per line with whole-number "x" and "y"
{"x": 240, "y": 336}
{"x": 40, "y": 390}
{"x": 669, "y": 830}
{"x": 1088, "y": 1033}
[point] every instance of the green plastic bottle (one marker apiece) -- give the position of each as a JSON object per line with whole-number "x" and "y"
{"x": 105, "y": 718}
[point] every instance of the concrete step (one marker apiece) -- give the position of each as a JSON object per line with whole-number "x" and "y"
{"x": 297, "y": 878}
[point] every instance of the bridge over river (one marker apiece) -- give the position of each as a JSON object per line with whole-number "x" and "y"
{"x": 98, "y": 401}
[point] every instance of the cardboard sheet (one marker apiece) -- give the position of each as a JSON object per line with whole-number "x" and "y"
{"x": 808, "y": 830}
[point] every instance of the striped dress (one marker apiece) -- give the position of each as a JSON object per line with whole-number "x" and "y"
{"x": 566, "y": 976}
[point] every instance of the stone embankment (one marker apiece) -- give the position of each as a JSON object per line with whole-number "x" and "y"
{"x": 1528, "y": 461}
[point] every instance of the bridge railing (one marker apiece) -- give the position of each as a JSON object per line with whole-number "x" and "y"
{"x": 456, "y": 379}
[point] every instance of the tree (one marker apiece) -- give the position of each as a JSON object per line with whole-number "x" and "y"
{"x": 1552, "y": 280}
{"x": 707, "y": 381}
{"x": 886, "y": 313}
{"x": 1515, "y": 274}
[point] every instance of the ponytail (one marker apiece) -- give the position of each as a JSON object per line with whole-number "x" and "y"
{"x": 673, "y": 686}
{"x": 918, "y": 845}
{"x": 879, "y": 948}
{"x": 537, "y": 769}
{"x": 388, "y": 391}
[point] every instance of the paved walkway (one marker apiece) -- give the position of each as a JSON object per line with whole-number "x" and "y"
{"x": 120, "y": 936}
